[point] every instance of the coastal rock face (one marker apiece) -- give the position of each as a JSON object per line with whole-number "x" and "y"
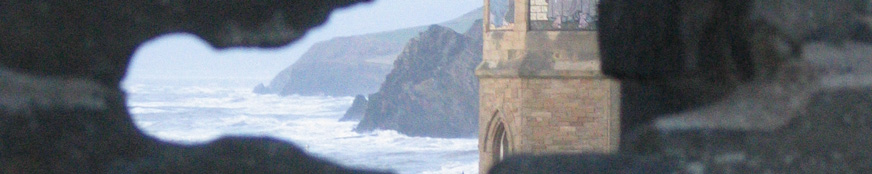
{"x": 432, "y": 90}
{"x": 338, "y": 67}
{"x": 357, "y": 110}
{"x": 348, "y": 66}
{"x": 61, "y": 106}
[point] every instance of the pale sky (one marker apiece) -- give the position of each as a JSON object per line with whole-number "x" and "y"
{"x": 186, "y": 56}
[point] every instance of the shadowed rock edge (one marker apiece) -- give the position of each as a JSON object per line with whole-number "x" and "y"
{"x": 62, "y": 109}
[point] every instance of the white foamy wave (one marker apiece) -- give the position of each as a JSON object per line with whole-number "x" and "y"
{"x": 134, "y": 88}
{"x": 244, "y": 120}
{"x": 408, "y": 143}
{"x": 245, "y": 102}
{"x": 193, "y": 136}
{"x": 145, "y": 123}
{"x": 141, "y": 110}
{"x": 456, "y": 167}
{"x": 199, "y": 115}
{"x": 202, "y": 90}
{"x": 296, "y": 105}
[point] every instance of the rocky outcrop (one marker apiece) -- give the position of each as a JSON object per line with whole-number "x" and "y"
{"x": 347, "y": 66}
{"x": 260, "y": 89}
{"x": 61, "y": 106}
{"x": 357, "y": 110}
{"x": 432, "y": 90}
{"x": 338, "y": 67}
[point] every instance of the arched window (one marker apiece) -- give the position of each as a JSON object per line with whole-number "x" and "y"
{"x": 501, "y": 148}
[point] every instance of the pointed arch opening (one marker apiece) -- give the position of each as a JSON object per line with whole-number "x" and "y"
{"x": 501, "y": 143}
{"x": 499, "y": 138}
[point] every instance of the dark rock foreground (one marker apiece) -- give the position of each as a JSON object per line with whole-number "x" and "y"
{"x": 61, "y": 107}
{"x": 792, "y": 106}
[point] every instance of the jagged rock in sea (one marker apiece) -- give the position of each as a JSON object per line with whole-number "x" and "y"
{"x": 261, "y": 89}
{"x": 357, "y": 110}
{"x": 432, "y": 90}
{"x": 352, "y": 65}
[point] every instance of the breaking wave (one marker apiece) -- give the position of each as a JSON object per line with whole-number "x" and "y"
{"x": 195, "y": 114}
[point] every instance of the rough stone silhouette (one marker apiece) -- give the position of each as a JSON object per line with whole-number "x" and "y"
{"x": 61, "y": 107}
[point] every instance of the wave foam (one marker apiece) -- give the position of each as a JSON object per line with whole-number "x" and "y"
{"x": 311, "y": 122}
{"x": 456, "y": 167}
{"x": 142, "y": 110}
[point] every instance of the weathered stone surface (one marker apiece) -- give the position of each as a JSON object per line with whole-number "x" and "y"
{"x": 545, "y": 116}
{"x": 789, "y": 60}
{"x": 765, "y": 87}
{"x": 829, "y": 136}
{"x": 357, "y": 109}
{"x": 231, "y": 155}
{"x": 542, "y": 92}
{"x": 61, "y": 108}
{"x": 689, "y": 53}
{"x": 55, "y": 125}
{"x": 432, "y": 90}
{"x": 589, "y": 163}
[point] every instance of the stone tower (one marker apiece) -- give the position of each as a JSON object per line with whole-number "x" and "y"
{"x": 542, "y": 90}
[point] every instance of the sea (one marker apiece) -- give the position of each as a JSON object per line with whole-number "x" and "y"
{"x": 195, "y": 111}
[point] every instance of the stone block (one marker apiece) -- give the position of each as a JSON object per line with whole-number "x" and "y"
{"x": 567, "y": 129}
